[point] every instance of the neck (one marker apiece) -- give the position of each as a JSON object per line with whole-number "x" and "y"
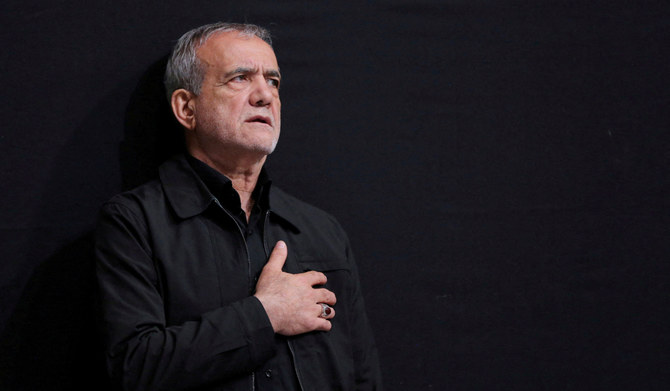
{"x": 242, "y": 173}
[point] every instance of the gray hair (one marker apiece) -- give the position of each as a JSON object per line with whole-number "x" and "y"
{"x": 184, "y": 69}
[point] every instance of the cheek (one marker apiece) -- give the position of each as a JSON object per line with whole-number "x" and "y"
{"x": 216, "y": 120}
{"x": 227, "y": 115}
{"x": 277, "y": 110}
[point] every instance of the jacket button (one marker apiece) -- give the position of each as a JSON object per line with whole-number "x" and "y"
{"x": 268, "y": 373}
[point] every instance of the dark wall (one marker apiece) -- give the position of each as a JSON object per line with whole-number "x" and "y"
{"x": 502, "y": 168}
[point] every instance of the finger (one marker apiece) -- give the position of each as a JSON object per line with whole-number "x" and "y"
{"x": 323, "y": 325}
{"x": 323, "y": 295}
{"x": 277, "y": 257}
{"x": 314, "y": 278}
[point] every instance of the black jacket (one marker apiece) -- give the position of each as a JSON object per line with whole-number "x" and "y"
{"x": 177, "y": 305}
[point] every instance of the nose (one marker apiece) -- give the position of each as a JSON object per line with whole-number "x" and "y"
{"x": 262, "y": 93}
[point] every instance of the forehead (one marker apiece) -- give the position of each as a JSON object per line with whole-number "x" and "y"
{"x": 230, "y": 49}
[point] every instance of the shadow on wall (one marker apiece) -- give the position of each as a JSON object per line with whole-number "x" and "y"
{"x": 152, "y": 134}
{"x": 51, "y": 341}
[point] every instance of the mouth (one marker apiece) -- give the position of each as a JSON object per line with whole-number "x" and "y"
{"x": 260, "y": 119}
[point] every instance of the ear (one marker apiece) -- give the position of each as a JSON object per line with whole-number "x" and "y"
{"x": 183, "y": 107}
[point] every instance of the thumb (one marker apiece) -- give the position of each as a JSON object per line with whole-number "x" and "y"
{"x": 278, "y": 256}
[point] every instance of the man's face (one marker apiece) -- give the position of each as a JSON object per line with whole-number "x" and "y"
{"x": 237, "y": 113}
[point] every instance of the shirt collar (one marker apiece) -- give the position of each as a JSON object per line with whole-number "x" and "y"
{"x": 190, "y": 195}
{"x": 221, "y": 187}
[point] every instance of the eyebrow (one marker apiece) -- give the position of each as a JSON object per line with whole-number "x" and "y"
{"x": 273, "y": 72}
{"x": 247, "y": 71}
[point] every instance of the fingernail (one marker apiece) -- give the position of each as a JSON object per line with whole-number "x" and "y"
{"x": 281, "y": 244}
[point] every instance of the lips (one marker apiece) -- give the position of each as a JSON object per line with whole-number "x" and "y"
{"x": 260, "y": 119}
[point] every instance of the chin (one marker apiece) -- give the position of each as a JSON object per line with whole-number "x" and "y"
{"x": 270, "y": 149}
{"x": 264, "y": 148}
{"x": 268, "y": 146}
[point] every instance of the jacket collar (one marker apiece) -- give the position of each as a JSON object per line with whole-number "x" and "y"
{"x": 280, "y": 207}
{"x": 188, "y": 195}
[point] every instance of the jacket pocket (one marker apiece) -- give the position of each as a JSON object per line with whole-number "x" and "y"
{"x": 333, "y": 347}
{"x": 336, "y": 270}
{"x": 340, "y": 282}
{"x": 323, "y": 265}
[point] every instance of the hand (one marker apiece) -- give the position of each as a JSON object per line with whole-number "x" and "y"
{"x": 290, "y": 300}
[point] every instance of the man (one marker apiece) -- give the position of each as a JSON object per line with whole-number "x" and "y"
{"x": 210, "y": 276}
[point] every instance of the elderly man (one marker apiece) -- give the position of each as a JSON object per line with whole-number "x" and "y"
{"x": 210, "y": 276}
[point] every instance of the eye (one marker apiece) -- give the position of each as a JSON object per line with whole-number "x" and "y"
{"x": 273, "y": 82}
{"x": 239, "y": 78}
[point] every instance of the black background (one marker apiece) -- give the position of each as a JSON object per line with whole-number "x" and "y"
{"x": 501, "y": 167}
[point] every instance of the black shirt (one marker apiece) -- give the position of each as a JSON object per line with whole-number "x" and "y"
{"x": 278, "y": 373}
{"x": 222, "y": 189}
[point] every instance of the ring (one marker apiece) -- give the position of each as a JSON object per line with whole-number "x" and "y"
{"x": 325, "y": 310}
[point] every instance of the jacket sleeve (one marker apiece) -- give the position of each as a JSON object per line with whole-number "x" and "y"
{"x": 142, "y": 351}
